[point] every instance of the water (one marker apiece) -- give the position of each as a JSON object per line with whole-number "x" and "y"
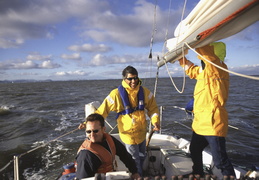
{"x": 33, "y": 114}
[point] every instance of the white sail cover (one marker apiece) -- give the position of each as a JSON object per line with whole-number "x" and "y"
{"x": 209, "y": 21}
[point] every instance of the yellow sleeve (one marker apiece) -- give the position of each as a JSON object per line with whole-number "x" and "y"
{"x": 110, "y": 103}
{"x": 190, "y": 69}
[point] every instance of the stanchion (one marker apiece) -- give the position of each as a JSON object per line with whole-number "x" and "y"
{"x": 16, "y": 167}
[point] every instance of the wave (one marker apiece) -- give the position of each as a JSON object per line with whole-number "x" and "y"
{"x": 5, "y": 110}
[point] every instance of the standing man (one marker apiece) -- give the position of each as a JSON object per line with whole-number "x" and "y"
{"x": 97, "y": 152}
{"x": 210, "y": 123}
{"x": 130, "y": 101}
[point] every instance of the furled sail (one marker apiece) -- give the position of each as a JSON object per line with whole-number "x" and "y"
{"x": 209, "y": 21}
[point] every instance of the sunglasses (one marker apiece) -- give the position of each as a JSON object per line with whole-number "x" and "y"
{"x": 94, "y": 131}
{"x": 130, "y": 79}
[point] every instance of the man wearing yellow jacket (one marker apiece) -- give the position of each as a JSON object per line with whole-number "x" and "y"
{"x": 130, "y": 101}
{"x": 210, "y": 123}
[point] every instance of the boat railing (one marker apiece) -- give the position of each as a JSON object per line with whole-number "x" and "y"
{"x": 16, "y": 158}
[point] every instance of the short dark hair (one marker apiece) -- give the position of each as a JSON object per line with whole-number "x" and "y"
{"x": 95, "y": 117}
{"x": 129, "y": 70}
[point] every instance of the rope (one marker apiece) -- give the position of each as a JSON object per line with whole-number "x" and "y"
{"x": 184, "y": 76}
{"x": 233, "y": 127}
{"x": 238, "y": 74}
{"x": 153, "y": 32}
{"x": 183, "y": 85}
{"x": 169, "y": 12}
{"x": 27, "y": 152}
{"x": 184, "y": 7}
{"x": 156, "y": 81}
{"x": 151, "y": 46}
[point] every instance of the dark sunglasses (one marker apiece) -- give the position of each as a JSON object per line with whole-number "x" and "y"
{"x": 130, "y": 79}
{"x": 94, "y": 131}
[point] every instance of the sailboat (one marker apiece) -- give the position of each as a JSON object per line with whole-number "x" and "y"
{"x": 168, "y": 157}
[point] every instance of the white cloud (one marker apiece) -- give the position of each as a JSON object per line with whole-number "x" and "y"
{"x": 90, "y": 48}
{"x": 61, "y": 73}
{"x": 34, "y": 19}
{"x": 104, "y": 28}
{"x": 49, "y": 65}
{"x": 71, "y": 73}
{"x": 38, "y": 57}
{"x": 6, "y": 43}
{"x": 25, "y": 65}
{"x": 133, "y": 29}
{"x": 100, "y": 60}
{"x": 29, "y": 64}
{"x": 74, "y": 56}
{"x": 246, "y": 69}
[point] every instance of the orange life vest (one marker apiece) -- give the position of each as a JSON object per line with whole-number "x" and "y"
{"x": 107, "y": 158}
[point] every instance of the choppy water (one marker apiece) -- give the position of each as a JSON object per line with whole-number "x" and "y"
{"x": 32, "y": 114}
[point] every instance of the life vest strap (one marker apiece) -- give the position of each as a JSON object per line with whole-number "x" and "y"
{"x": 125, "y": 99}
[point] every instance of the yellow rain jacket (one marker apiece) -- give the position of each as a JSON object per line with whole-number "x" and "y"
{"x": 210, "y": 93}
{"x": 132, "y": 127}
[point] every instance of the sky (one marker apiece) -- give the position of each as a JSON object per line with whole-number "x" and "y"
{"x": 97, "y": 39}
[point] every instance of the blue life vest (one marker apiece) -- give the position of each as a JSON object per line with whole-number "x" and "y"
{"x": 125, "y": 99}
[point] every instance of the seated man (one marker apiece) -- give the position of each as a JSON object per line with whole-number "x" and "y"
{"x": 97, "y": 152}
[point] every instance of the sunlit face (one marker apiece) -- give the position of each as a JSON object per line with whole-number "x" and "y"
{"x": 94, "y": 131}
{"x": 132, "y": 80}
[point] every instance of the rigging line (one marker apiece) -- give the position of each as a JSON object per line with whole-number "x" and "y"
{"x": 233, "y": 127}
{"x": 167, "y": 27}
{"x": 184, "y": 76}
{"x": 169, "y": 12}
{"x": 156, "y": 81}
{"x": 238, "y": 74}
{"x": 47, "y": 142}
{"x": 181, "y": 22}
{"x": 173, "y": 80}
{"x": 238, "y": 129}
{"x": 183, "y": 125}
{"x": 27, "y": 152}
{"x": 153, "y": 31}
{"x": 149, "y": 65}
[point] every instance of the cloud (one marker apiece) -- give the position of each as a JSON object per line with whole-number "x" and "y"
{"x": 75, "y": 56}
{"x": 105, "y": 28}
{"x": 49, "y": 65}
{"x": 10, "y": 43}
{"x": 29, "y": 74}
{"x": 101, "y": 60}
{"x": 90, "y": 48}
{"x": 71, "y": 73}
{"x": 246, "y": 69}
{"x": 133, "y": 29}
{"x": 25, "y": 65}
{"x": 29, "y": 64}
{"x": 38, "y": 57}
{"x": 23, "y": 20}
{"x": 243, "y": 70}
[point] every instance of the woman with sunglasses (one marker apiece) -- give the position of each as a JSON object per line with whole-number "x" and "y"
{"x": 97, "y": 152}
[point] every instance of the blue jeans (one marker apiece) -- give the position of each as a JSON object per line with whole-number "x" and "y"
{"x": 218, "y": 150}
{"x": 138, "y": 152}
